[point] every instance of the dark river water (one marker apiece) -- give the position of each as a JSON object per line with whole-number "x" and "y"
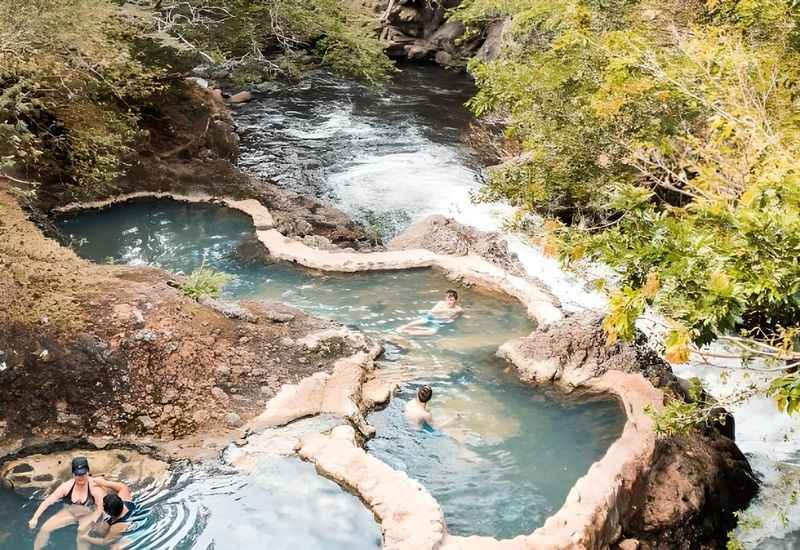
{"x": 386, "y": 157}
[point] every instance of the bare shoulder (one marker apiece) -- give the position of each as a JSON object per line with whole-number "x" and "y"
{"x": 63, "y": 488}
{"x": 96, "y": 488}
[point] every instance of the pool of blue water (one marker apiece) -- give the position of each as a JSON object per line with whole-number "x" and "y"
{"x": 282, "y": 504}
{"x": 502, "y": 456}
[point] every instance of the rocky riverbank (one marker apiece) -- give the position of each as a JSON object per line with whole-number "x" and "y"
{"x": 115, "y": 351}
{"x": 189, "y": 145}
{"x": 419, "y": 29}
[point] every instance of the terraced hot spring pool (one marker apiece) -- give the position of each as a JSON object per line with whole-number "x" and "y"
{"x": 502, "y": 455}
{"x": 282, "y": 505}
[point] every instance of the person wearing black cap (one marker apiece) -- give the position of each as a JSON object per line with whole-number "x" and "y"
{"x": 78, "y": 495}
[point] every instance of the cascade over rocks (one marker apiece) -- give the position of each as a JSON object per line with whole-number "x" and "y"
{"x": 689, "y": 486}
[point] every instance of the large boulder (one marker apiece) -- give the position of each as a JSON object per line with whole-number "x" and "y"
{"x": 44, "y": 472}
{"x": 446, "y": 236}
{"x": 419, "y": 29}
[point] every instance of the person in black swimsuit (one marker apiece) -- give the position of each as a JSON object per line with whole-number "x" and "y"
{"x": 78, "y": 495}
{"x": 119, "y": 508}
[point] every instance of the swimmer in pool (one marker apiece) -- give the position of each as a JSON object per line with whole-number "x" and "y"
{"x": 442, "y": 313}
{"x": 78, "y": 495}
{"x": 119, "y": 507}
{"x": 420, "y": 417}
{"x": 417, "y": 410}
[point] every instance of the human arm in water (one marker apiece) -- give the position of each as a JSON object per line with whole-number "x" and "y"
{"x": 101, "y": 534}
{"x": 121, "y": 489}
{"x": 443, "y": 311}
{"x": 60, "y": 492}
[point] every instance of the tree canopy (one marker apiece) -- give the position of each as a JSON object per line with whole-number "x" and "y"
{"x": 662, "y": 138}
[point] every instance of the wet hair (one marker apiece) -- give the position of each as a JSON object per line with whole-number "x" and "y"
{"x": 424, "y": 394}
{"x": 452, "y": 293}
{"x": 112, "y": 505}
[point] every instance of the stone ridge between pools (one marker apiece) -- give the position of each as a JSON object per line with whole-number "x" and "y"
{"x": 411, "y": 519}
{"x": 471, "y": 269}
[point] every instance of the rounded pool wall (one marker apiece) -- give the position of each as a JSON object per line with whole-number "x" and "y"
{"x": 182, "y": 236}
{"x": 501, "y": 456}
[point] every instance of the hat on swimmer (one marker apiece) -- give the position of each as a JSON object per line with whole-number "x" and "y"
{"x": 80, "y": 466}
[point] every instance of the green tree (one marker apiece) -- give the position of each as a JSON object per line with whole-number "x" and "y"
{"x": 267, "y": 38}
{"x": 662, "y": 139}
{"x": 67, "y": 86}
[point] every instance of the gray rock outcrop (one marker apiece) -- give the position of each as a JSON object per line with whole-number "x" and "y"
{"x": 418, "y": 29}
{"x": 446, "y": 236}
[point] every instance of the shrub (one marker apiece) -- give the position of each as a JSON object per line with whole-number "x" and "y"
{"x": 205, "y": 282}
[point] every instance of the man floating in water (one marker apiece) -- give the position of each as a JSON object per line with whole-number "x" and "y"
{"x": 78, "y": 495}
{"x": 417, "y": 410}
{"x": 441, "y": 314}
{"x": 119, "y": 508}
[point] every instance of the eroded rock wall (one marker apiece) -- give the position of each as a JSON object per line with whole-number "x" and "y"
{"x": 419, "y": 29}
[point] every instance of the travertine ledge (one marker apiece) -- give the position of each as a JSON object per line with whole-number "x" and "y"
{"x": 471, "y": 269}
{"x": 410, "y": 517}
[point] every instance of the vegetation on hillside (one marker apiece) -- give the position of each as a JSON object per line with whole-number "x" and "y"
{"x": 75, "y": 79}
{"x": 67, "y": 88}
{"x": 267, "y": 38}
{"x": 663, "y": 139}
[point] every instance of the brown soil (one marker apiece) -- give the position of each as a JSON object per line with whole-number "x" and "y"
{"x": 107, "y": 350}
